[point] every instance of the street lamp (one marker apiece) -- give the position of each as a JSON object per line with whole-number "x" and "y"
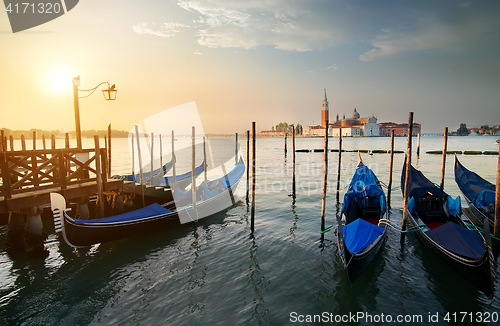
{"x": 109, "y": 95}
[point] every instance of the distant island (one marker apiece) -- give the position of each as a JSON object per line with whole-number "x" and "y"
{"x": 483, "y": 130}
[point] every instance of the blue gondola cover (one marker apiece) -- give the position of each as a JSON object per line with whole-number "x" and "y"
{"x": 453, "y": 205}
{"x": 364, "y": 184}
{"x": 458, "y": 240}
{"x": 484, "y": 199}
{"x": 359, "y": 234}
{"x": 470, "y": 183}
{"x": 145, "y": 212}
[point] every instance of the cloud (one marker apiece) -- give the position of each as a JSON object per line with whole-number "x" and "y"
{"x": 310, "y": 71}
{"x": 399, "y": 42}
{"x": 163, "y": 30}
{"x": 290, "y": 26}
{"x": 334, "y": 67}
{"x": 197, "y": 52}
{"x": 450, "y": 32}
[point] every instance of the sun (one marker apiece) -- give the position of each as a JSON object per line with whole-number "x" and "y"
{"x": 59, "y": 80}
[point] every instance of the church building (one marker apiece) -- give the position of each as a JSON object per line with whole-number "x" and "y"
{"x": 350, "y": 127}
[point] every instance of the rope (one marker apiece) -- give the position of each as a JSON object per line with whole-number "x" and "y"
{"x": 196, "y": 210}
{"x": 416, "y": 228}
{"x": 411, "y": 229}
{"x": 389, "y": 223}
{"x": 479, "y": 229}
{"x": 326, "y": 230}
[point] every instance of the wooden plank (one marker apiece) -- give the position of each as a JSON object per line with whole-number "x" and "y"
{"x": 40, "y": 197}
{"x": 99, "y": 176}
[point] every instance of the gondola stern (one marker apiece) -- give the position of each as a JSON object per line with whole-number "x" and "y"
{"x": 58, "y": 207}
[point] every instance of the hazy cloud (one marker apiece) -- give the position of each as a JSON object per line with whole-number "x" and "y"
{"x": 163, "y": 30}
{"x": 444, "y": 32}
{"x": 286, "y": 25}
{"x": 334, "y": 67}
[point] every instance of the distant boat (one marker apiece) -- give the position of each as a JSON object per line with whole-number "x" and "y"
{"x": 498, "y": 140}
{"x": 473, "y": 134}
{"x": 362, "y": 226}
{"x": 438, "y": 221}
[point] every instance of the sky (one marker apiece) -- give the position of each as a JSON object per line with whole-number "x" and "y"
{"x": 267, "y": 61}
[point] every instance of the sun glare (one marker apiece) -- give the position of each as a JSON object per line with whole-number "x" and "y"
{"x": 59, "y": 81}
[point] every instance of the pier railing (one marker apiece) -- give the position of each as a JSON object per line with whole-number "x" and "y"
{"x": 25, "y": 171}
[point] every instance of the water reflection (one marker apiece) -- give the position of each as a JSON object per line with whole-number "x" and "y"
{"x": 447, "y": 284}
{"x": 258, "y": 282}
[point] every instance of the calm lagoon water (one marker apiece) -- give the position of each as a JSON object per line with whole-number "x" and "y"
{"x": 215, "y": 273}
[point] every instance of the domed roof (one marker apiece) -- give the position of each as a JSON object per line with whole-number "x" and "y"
{"x": 355, "y": 114}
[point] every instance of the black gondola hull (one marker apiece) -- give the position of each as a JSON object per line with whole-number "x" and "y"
{"x": 355, "y": 264}
{"x": 86, "y": 235}
{"x": 479, "y": 272}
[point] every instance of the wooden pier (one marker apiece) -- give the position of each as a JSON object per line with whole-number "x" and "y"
{"x": 28, "y": 177}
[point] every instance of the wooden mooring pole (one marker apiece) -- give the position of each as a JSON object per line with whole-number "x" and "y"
{"x": 325, "y": 182}
{"x": 173, "y": 166}
{"x": 162, "y": 171}
{"x": 252, "y": 209}
{"x": 418, "y": 144}
{"x": 293, "y": 162}
{"x": 340, "y": 164}
{"x": 285, "y": 142}
{"x": 205, "y": 155}
{"x": 132, "y": 150}
{"x": 152, "y": 158}
{"x": 23, "y": 143}
{"x": 193, "y": 166}
{"x": 496, "y": 229}
{"x": 109, "y": 150}
{"x": 99, "y": 176}
{"x": 141, "y": 175}
{"x": 248, "y": 161}
{"x": 236, "y": 150}
{"x": 443, "y": 164}
{"x": 407, "y": 179}
{"x": 391, "y": 165}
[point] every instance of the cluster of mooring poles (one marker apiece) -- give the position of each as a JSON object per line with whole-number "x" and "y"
{"x": 391, "y": 167}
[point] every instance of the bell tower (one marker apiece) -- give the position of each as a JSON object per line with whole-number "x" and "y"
{"x": 324, "y": 112}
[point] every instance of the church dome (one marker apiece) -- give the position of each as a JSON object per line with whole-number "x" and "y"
{"x": 355, "y": 114}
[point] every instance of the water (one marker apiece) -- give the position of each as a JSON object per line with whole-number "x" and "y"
{"x": 215, "y": 272}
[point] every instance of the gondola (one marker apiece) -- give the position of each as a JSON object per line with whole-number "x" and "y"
{"x": 438, "y": 221}
{"x": 211, "y": 197}
{"x": 160, "y": 180}
{"x": 146, "y": 175}
{"x": 479, "y": 194}
{"x": 362, "y": 225}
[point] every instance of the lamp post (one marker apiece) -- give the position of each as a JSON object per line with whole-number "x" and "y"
{"x": 109, "y": 95}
